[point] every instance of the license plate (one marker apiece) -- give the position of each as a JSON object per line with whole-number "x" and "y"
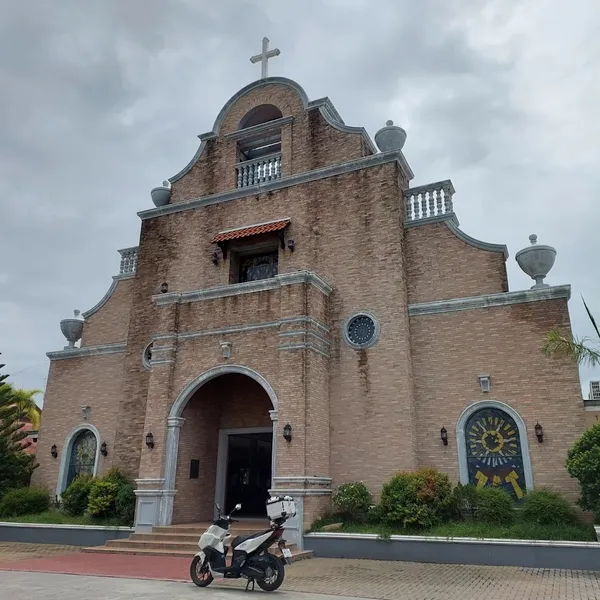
{"x": 286, "y": 552}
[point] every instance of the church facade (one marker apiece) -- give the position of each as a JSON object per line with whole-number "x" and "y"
{"x": 296, "y": 316}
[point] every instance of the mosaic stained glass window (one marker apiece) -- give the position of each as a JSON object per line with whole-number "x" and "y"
{"x": 83, "y": 455}
{"x": 494, "y": 451}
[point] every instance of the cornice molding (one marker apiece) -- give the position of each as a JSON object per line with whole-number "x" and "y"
{"x": 87, "y": 351}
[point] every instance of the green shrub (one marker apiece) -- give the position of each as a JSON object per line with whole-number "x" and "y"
{"x": 76, "y": 497}
{"x": 125, "y": 503}
{"x": 24, "y": 501}
{"x": 115, "y": 475}
{"x": 583, "y": 464}
{"x": 495, "y": 505}
{"x": 102, "y": 498}
{"x": 420, "y": 499}
{"x": 353, "y": 500}
{"x": 464, "y": 499}
{"x": 546, "y": 507}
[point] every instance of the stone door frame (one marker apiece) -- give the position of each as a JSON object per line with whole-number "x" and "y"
{"x": 175, "y": 422}
{"x": 223, "y": 455}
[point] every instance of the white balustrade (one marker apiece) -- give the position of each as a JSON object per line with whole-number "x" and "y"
{"x": 258, "y": 170}
{"x": 431, "y": 200}
{"x": 129, "y": 257}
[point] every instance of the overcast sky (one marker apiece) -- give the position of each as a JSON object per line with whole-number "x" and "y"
{"x": 103, "y": 99}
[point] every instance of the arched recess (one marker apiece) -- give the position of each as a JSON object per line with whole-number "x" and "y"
{"x": 175, "y": 422}
{"x": 493, "y": 447}
{"x": 260, "y": 114}
{"x": 76, "y": 436}
{"x": 198, "y": 382}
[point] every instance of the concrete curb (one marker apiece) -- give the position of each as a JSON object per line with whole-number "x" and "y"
{"x": 62, "y": 534}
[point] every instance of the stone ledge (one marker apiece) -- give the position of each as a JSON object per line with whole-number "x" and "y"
{"x": 250, "y": 287}
{"x": 373, "y": 160}
{"x": 86, "y": 351}
{"x": 489, "y": 300}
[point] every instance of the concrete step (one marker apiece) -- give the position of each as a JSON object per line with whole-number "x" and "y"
{"x": 236, "y": 529}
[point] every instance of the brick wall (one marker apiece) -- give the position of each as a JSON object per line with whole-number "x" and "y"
{"x": 92, "y": 381}
{"x": 449, "y": 352}
{"x": 442, "y": 266}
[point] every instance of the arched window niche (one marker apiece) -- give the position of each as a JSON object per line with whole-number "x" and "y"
{"x": 80, "y": 456}
{"x": 259, "y": 152}
{"x": 493, "y": 449}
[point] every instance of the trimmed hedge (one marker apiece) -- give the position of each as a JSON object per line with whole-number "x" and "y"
{"x": 24, "y": 501}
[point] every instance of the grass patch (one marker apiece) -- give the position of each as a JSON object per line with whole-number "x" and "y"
{"x": 474, "y": 529}
{"x": 57, "y": 517}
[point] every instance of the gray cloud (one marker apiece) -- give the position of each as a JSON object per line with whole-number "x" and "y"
{"x": 102, "y": 100}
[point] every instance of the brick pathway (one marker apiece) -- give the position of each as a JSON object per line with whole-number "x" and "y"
{"x": 355, "y": 578}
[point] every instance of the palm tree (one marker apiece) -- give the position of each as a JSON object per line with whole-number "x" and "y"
{"x": 28, "y": 407}
{"x": 579, "y": 350}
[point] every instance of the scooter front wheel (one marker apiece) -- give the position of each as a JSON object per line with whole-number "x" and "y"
{"x": 200, "y": 573}
{"x": 275, "y": 572}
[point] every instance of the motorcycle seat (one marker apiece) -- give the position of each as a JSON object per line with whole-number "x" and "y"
{"x": 240, "y": 539}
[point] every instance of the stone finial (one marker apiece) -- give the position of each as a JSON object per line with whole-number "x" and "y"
{"x": 72, "y": 328}
{"x": 537, "y": 261}
{"x": 390, "y": 138}
{"x": 161, "y": 194}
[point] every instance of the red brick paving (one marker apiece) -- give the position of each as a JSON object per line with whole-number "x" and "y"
{"x": 166, "y": 568}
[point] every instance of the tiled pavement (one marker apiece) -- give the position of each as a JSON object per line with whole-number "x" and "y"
{"x": 352, "y": 578}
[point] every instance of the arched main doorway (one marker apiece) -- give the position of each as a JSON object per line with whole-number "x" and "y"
{"x": 225, "y": 449}
{"x": 493, "y": 448}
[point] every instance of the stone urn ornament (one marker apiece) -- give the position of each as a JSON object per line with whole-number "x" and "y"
{"x": 72, "y": 328}
{"x": 390, "y": 138}
{"x": 536, "y": 260}
{"x": 161, "y": 194}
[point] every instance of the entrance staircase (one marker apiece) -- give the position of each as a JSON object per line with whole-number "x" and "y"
{"x": 182, "y": 540}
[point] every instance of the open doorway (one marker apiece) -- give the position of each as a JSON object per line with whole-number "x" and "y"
{"x": 248, "y": 472}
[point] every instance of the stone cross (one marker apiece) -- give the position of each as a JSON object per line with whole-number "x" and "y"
{"x": 264, "y": 57}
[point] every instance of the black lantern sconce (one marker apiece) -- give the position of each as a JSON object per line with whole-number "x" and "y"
{"x": 164, "y": 287}
{"x": 539, "y": 433}
{"x": 149, "y": 440}
{"x": 291, "y": 245}
{"x": 54, "y": 451}
{"x": 103, "y": 449}
{"x": 287, "y": 433}
{"x": 444, "y": 436}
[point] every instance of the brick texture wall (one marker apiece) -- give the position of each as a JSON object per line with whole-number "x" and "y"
{"x": 450, "y": 351}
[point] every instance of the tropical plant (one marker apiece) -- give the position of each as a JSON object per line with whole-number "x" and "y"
{"x": 28, "y": 407}
{"x": 16, "y": 465}
{"x": 584, "y": 351}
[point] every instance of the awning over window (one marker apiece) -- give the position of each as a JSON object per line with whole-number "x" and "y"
{"x": 242, "y": 232}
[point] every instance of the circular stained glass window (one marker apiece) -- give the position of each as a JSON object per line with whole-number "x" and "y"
{"x": 361, "y": 330}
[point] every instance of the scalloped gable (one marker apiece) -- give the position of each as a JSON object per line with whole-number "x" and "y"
{"x": 324, "y": 105}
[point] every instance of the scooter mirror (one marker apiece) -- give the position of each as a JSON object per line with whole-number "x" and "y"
{"x": 238, "y": 507}
{"x": 218, "y": 507}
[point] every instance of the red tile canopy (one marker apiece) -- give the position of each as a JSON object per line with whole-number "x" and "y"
{"x": 242, "y": 232}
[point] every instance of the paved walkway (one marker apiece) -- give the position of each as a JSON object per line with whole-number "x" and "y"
{"x": 342, "y": 578}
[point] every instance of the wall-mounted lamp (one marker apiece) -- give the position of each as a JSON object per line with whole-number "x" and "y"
{"x": 149, "y": 440}
{"x": 164, "y": 287}
{"x": 539, "y": 432}
{"x": 291, "y": 245}
{"x": 215, "y": 258}
{"x": 103, "y": 449}
{"x": 444, "y": 436}
{"x": 485, "y": 381}
{"x": 287, "y": 433}
{"x": 54, "y": 451}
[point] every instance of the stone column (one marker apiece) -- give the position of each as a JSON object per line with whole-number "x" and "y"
{"x": 274, "y": 414}
{"x": 174, "y": 425}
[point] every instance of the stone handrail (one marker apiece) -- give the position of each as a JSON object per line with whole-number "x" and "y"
{"x": 431, "y": 200}
{"x": 259, "y": 170}
{"x": 129, "y": 258}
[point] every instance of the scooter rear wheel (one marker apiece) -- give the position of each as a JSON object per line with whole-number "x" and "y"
{"x": 200, "y": 573}
{"x": 275, "y": 574}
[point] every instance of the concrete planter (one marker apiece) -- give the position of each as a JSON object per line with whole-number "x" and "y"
{"x": 466, "y": 551}
{"x": 161, "y": 195}
{"x": 597, "y": 530}
{"x": 70, "y": 535}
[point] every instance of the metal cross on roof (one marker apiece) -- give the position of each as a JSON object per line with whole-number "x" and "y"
{"x": 264, "y": 57}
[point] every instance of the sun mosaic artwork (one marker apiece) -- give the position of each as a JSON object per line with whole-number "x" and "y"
{"x": 494, "y": 451}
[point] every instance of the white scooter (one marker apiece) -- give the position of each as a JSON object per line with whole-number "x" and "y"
{"x": 251, "y": 557}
